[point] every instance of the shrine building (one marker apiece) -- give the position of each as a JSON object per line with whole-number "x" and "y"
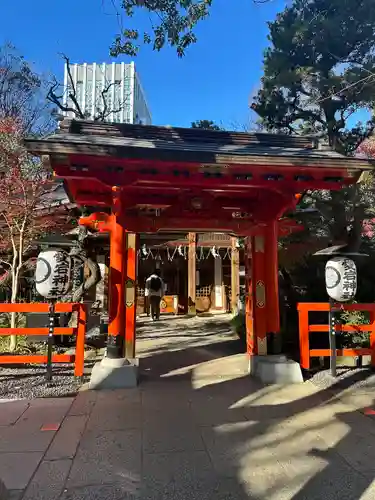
{"x": 149, "y": 180}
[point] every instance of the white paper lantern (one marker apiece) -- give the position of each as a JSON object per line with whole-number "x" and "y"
{"x": 53, "y": 274}
{"x": 341, "y": 279}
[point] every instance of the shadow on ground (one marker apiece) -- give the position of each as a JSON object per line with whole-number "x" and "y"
{"x": 198, "y": 427}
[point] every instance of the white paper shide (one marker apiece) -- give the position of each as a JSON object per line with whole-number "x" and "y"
{"x": 341, "y": 279}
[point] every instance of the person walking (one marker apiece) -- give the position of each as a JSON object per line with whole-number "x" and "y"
{"x": 155, "y": 291}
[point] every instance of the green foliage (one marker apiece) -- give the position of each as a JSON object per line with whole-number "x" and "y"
{"x": 238, "y": 324}
{"x": 206, "y": 124}
{"x": 319, "y": 70}
{"x": 172, "y": 23}
{"x": 356, "y": 338}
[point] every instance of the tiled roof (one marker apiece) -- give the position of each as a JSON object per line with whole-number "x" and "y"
{"x": 195, "y": 145}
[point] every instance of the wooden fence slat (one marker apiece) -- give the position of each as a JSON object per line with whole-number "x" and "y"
{"x": 37, "y": 307}
{"x": 35, "y": 359}
{"x": 37, "y": 331}
{"x": 341, "y": 328}
{"x": 360, "y": 351}
{"x": 78, "y": 358}
{"x": 304, "y": 339}
{"x": 305, "y": 328}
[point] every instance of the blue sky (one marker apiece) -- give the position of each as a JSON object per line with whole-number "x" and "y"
{"x": 213, "y": 81}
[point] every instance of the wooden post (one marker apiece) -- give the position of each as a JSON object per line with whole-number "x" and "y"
{"x": 250, "y": 337}
{"x": 131, "y": 295}
{"x": 235, "y": 276}
{"x": 304, "y": 341}
{"x": 192, "y": 269}
{"x": 372, "y": 338}
{"x": 258, "y": 278}
{"x": 79, "y": 363}
{"x": 116, "y": 326}
{"x": 272, "y": 286}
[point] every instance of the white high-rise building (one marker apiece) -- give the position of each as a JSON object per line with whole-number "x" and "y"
{"x": 113, "y": 90}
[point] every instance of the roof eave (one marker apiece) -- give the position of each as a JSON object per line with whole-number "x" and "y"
{"x": 54, "y": 146}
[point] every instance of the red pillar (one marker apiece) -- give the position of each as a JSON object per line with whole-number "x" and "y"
{"x": 131, "y": 295}
{"x": 272, "y": 278}
{"x": 258, "y": 278}
{"x": 115, "y": 345}
{"x": 250, "y": 338}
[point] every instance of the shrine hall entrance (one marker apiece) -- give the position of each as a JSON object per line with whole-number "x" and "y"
{"x": 144, "y": 180}
{"x": 218, "y": 260}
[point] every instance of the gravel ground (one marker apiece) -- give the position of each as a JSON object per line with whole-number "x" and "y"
{"x": 353, "y": 378}
{"x": 29, "y": 382}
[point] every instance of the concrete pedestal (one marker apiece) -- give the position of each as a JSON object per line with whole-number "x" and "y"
{"x": 114, "y": 374}
{"x": 275, "y": 369}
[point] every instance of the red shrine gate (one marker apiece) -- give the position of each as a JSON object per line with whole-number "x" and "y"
{"x": 144, "y": 179}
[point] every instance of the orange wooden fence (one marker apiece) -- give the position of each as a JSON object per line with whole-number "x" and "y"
{"x": 304, "y": 308}
{"x": 80, "y": 331}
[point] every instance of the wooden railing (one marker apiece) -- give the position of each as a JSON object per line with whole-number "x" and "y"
{"x": 305, "y": 328}
{"x": 79, "y": 331}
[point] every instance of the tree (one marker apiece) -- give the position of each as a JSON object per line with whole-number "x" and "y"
{"x": 25, "y": 213}
{"x": 320, "y": 70}
{"x": 367, "y": 149}
{"x": 22, "y": 94}
{"x": 206, "y": 124}
{"x": 67, "y": 100}
{"x": 172, "y": 23}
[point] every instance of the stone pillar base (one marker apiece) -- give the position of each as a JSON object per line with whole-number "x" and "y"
{"x": 115, "y": 374}
{"x": 275, "y": 369}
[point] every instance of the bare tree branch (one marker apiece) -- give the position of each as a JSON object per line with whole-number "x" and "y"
{"x": 71, "y": 104}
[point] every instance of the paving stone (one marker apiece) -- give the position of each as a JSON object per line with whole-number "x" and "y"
{"x": 58, "y": 404}
{"x": 227, "y": 444}
{"x": 116, "y": 415}
{"x": 107, "y": 457}
{"x": 101, "y": 492}
{"x": 113, "y": 395}
{"x": 11, "y": 411}
{"x": 213, "y": 413}
{"x": 17, "y": 468}
{"x": 357, "y": 448}
{"x": 181, "y": 476}
{"x": 320, "y": 474}
{"x": 20, "y": 438}
{"x": 212, "y": 488}
{"x": 49, "y": 480}
{"x": 46, "y": 411}
{"x": 161, "y": 470}
{"x": 15, "y": 495}
{"x": 66, "y": 440}
{"x": 171, "y": 436}
{"x": 83, "y": 403}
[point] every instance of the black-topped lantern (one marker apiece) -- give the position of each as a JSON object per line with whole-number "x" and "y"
{"x": 341, "y": 286}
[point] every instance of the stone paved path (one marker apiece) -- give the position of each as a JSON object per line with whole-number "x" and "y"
{"x": 196, "y": 428}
